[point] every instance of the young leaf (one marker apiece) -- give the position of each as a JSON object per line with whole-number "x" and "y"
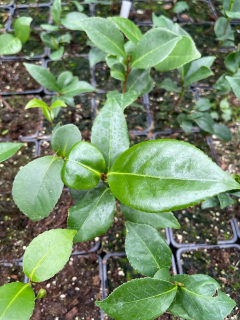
{"x": 180, "y": 6}
{"x": 9, "y": 44}
{"x": 196, "y": 298}
{"x": 109, "y": 132}
{"x": 83, "y": 166}
{"x": 76, "y": 88}
{"x": 8, "y": 149}
{"x": 154, "y": 47}
{"x": 38, "y": 186}
{"x": 123, "y": 99}
{"x": 36, "y": 103}
{"x": 168, "y": 85}
{"x": 49, "y": 40}
{"x": 41, "y": 294}
{"x": 139, "y": 81}
{"x": 72, "y": 19}
{"x": 140, "y": 299}
{"x": 222, "y": 131}
{"x": 49, "y": 27}
{"x": 93, "y": 214}
{"x": 118, "y": 72}
{"x": 225, "y": 200}
{"x": 223, "y": 29}
{"x": 202, "y": 105}
{"x": 57, "y": 55}
{"x": 201, "y": 73}
{"x": 184, "y": 52}
{"x": 42, "y": 76}
{"x": 56, "y": 11}
{"x": 78, "y": 5}
{"x": 131, "y": 31}
{"x": 47, "y": 254}
{"x": 22, "y": 28}
{"x": 145, "y": 255}
{"x": 232, "y": 15}
{"x": 235, "y": 84}
{"x": 162, "y": 22}
{"x": 104, "y": 34}
{"x": 166, "y": 175}
{"x": 210, "y": 203}
{"x": 156, "y": 220}
{"x": 162, "y": 274}
{"x": 64, "y": 79}
{"x": 205, "y": 122}
{"x": 232, "y": 61}
{"x": 95, "y": 56}
{"x": 17, "y": 301}
{"x": 64, "y": 138}
{"x": 57, "y": 104}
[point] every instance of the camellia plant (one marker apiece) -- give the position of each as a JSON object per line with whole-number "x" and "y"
{"x": 149, "y": 180}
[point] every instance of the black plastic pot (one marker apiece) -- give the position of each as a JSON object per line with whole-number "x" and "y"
{"x": 237, "y": 226}
{"x": 27, "y": 7}
{"x": 181, "y": 250}
{"x": 38, "y": 90}
{"x": 9, "y": 11}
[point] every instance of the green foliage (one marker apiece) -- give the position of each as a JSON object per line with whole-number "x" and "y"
{"x": 147, "y": 256}
{"x": 47, "y": 254}
{"x": 8, "y": 149}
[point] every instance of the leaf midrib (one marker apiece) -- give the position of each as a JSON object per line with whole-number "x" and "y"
{"x": 32, "y": 273}
{"x": 204, "y": 297}
{"x": 15, "y": 297}
{"x": 150, "y": 52}
{"x": 156, "y": 177}
{"x": 85, "y": 166}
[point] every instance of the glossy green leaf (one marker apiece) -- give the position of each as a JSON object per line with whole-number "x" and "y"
{"x": 164, "y": 175}
{"x": 56, "y": 10}
{"x": 210, "y": 203}
{"x": 232, "y": 15}
{"x": 47, "y": 254}
{"x": 139, "y": 81}
{"x": 232, "y": 61}
{"x": 57, "y": 55}
{"x": 201, "y": 73}
{"x": 154, "y": 47}
{"x": 49, "y": 40}
{"x": 38, "y": 180}
{"x": 156, "y": 220}
{"x": 222, "y": 131}
{"x": 95, "y": 56}
{"x": 180, "y": 6}
{"x": 42, "y": 76}
{"x": 71, "y": 20}
{"x": 110, "y": 133}
{"x": 57, "y": 104}
{"x": 162, "y": 22}
{"x": 68, "y": 100}
{"x": 8, "y": 149}
{"x": 104, "y": 34}
{"x": 64, "y": 139}
{"x": 77, "y": 195}
{"x": 17, "y": 301}
{"x": 222, "y": 85}
{"x": 196, "y": 298}
{"x": 49, "y": 27}
{"x": 202, "y": 105}
{"x": 225, "y": 200}
{"x": 131, "y": 31}
{"x": 64, "y": 79}
{"x": 36, "y": 103}
{"x": 76, "y": 88}
{"x": 83, "y": 166}
{"x": 111, "y": 60}
{"x": 223, "y": 29}
{"x": 168, "y": 85}
{"x": 22, "y": 28}
{"x": 123, "y": 99}
{"x": 140, "y": 299}
{"x": 187, "y": 126}
{"x": 235, "y": 84}
{"x": 9, "y": 44}
{"x": 205, "y": 122}
{"x": 93, "y": 214}
{"x": 118, "y": 71}
{"x": 184, "y": 51}
{"x": 145, "y": 255}
{"x": 162, "y": 274}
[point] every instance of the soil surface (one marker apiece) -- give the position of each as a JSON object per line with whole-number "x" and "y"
{"x": 15, "y": 78}
{"x": 15, "y": 121}
{"x": 222, "y": 265}
{"x": 103, "y": 79}
{"x": 72, "y": 293}
{"x": 144, "y": 10}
